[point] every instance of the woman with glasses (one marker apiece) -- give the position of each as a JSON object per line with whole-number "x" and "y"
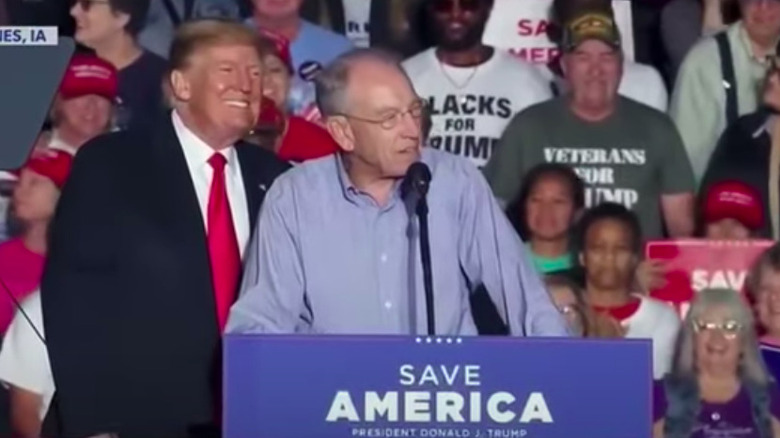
{"x": 718, "y": 386}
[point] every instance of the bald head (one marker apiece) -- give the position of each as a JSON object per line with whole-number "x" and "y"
{"x": 354, "y": 69}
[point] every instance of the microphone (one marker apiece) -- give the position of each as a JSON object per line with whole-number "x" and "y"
{"x": 417, "y": 180}
{"x": 415, "y": 186}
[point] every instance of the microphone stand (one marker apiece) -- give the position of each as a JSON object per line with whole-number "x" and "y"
{"x": 425, "y": 254}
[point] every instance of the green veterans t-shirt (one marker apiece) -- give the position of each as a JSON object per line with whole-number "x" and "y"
{"x": 632, "y": 157}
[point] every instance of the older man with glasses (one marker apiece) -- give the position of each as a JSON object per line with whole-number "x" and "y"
{"x": 331, "y": 253}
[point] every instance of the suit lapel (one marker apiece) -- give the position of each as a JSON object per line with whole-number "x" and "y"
{"x": 255, "y": 183}
{"x": 178, "y": 208}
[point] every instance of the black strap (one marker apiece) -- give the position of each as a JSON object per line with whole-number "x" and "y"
{"x": 729, "y": 80}
{"x": 176, "y": 19}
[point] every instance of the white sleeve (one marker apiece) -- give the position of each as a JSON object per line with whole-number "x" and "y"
{"x": 24, "y": 361}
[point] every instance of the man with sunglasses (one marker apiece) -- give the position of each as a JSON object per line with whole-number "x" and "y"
{"x": 110, "y": 28}
{"x": 467, "y": 84}
{"x": 331, "y": 254}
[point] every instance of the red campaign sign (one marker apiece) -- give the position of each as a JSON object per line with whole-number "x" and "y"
{"x": 694, "y": 265}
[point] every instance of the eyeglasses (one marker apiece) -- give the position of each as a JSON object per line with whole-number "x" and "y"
{"x": 729, "y": 329}
{"x": 391, "y": 119}
{"x": 444, "y": 6}
{"x": 87, "y": 4}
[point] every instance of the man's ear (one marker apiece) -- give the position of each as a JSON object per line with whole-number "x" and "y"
{"x": 341, "y": 132}
{"x": 181, "y": 86}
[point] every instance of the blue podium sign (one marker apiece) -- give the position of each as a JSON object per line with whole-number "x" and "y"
{"x": 279, "y": 386}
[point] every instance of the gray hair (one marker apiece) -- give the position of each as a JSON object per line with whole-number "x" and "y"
{"x": 332, "y": 82}
{"x": 751, "y": 366}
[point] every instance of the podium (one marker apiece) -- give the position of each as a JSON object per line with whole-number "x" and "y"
{"x": 290, "y": 386}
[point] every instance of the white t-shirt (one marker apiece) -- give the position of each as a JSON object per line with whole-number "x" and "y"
{"x": 471, "y": 106}
{"x": 24, "y": 361}
{"x": 659, "y": 322}
{"x": 640, "y": 82}
{"x": 356, "y": 15}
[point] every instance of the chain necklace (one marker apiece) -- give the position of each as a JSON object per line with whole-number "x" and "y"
{"x": 454, "y": 83}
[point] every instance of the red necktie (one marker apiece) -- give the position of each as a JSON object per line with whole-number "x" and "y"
{"x": 223, "y": 244}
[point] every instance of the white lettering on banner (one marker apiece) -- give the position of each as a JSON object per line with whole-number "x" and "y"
{"x": 596, "y": 167}
{"x": 446, "y": 406}
{"x": 520, "y": 26}
{"x": 722, "y": 279}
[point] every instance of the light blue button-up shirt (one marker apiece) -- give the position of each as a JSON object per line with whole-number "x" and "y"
{"x": 325, "y": 258}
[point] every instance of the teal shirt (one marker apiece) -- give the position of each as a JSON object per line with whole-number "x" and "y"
{"x": 547, "y": 265}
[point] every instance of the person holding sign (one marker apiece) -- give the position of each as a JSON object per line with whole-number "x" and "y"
{"x": 610, "y": 244}
{"x": 464, "y": 81}
{"x": 718, "y": 386}
{"x": 625, "y": 152}
{"x": 332, "y": 252}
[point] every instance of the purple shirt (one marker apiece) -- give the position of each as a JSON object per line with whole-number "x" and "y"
{"x": 733, "y": 419}
{"x": 771, "y": 355}
{"x": 325, "y": 258}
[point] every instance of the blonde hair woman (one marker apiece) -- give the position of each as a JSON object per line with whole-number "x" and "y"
{"x": 718, "y": 385}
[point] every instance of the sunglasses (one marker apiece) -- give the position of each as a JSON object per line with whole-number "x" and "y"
{"x": 444, "y": 6}
{"x": 87, "y": 4}
{"x": 729, "y": 329}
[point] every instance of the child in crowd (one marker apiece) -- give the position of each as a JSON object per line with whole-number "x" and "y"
{"x": 764, "y": 290}
{"x": 568, "y": 299}
{"x": 731, "y": 210}
{"x": 33, "y": 199}
{"x": 551, "y": 198}
{"x": 610, "y": 243}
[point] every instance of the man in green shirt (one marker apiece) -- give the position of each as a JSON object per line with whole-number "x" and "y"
{"x": 625, "y": 152}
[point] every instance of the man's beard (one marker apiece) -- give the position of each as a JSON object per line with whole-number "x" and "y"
{"x": 471, "y": 38}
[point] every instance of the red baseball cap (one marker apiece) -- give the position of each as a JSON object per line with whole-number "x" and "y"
{"x": 734, "y": 200}
{"x": 281, "y": 47}
{"x": 54, "y": 164}
{"x": 88, "y": 74}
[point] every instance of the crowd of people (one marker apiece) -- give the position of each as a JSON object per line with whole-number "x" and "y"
{"x": 211, "y": 167}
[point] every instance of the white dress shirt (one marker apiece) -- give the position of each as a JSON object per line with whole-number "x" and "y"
{"x": 197, "y": 154}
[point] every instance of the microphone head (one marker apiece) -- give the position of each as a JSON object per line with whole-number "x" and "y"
{"x": 417, "y": 179}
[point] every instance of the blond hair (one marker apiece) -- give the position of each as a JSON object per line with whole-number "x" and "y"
{"x": 196, "y": 35}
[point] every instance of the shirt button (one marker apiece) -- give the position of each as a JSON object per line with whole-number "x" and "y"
{"x": 383, "y": 258}
{"x": 388, "y": 305}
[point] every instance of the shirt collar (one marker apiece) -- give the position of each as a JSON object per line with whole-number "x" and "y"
{"x": 352, "y": 193}
{"x": 196, "y": 151}
{"x": 744, "y": 39}
{"x": 56, "y": 142}
{"x": 766, "y": 127}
